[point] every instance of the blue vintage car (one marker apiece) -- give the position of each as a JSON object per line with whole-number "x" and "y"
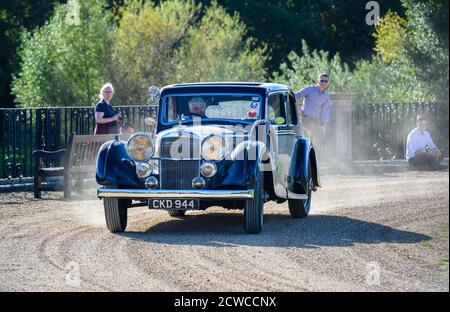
{"x": 234, "y": 145}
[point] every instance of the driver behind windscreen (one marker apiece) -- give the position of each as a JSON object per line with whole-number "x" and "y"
{"x": 197, "y": 106}
{"x": 274, "y": 107}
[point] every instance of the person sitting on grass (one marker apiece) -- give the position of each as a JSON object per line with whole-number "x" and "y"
{"x": 421, "y": 152}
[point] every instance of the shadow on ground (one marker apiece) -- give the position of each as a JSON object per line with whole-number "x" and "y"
{"x": 221, "y": 229}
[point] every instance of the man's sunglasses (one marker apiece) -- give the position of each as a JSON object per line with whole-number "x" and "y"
{"x": 324, "y": 81}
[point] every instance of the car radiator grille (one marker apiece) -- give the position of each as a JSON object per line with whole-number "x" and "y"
{"x": 186, "y": 147}
{"x": 177, "y": 173}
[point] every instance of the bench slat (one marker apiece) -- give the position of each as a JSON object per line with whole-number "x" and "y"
{"x": 80, "y": 159}
{"x": 50, "y": 172}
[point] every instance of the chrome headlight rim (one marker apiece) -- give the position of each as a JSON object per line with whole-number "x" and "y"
{"x": 139, "y": 166}
{"x": 151, "y": 182}
{"x": 223, "y": 148}
{"x": 149, "y": 139}
{"x": 212, "y": 169}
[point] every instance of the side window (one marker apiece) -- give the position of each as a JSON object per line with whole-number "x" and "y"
{"x": 170, "y": 109}
{"x": 291, "y": 111}
{"x": 275, "y": 106}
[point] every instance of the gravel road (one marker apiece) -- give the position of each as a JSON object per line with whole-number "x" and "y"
{"x": 365, "y": 233}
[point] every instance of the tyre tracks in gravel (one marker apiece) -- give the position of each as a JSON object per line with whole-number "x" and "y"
{"x": 354, "y": 221}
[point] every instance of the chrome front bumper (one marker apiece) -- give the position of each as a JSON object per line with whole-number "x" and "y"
{"x": 201, "y": 194}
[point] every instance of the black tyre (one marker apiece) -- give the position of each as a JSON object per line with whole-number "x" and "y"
{"x": 176, "y": 213}
{"x": 254, "y": 209}
{"x": 116, "y": 213}
{"x": 299, "y": 208}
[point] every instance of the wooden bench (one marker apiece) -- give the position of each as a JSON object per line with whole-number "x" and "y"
{"x": 78, "y": 161}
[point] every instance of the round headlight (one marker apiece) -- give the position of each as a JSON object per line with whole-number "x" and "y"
{"x": 140, "y": 147}
{"x": 208, "y": 170}
{"x": 151, "y": 183}
{"x": 143, "y": 170}
{"x": 213, "y": 148}
{"x": 198, "y": 183}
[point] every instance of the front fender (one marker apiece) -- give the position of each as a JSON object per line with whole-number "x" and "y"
{"x": 250, "y": 156}
{"x": 303, "y": 155}
{"x": 114, "y": 166}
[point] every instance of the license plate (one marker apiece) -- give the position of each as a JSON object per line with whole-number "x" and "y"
{"x": 177, "y": 204}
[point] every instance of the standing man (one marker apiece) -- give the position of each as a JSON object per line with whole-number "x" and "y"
{"x": 420, "y": 149}
{"x": 315, "y": 110}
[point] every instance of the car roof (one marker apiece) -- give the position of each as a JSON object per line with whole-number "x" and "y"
{"x": 257, "y": 87}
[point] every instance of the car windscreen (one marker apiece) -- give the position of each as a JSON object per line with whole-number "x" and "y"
{"x": 211, "y": 106}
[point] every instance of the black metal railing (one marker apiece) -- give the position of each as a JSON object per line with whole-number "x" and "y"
{"x": 380, "y": 130}
{"x": 25, "y": 130}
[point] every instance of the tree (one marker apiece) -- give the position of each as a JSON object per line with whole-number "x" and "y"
{"x": 215, "y": 50}
{"x": 169, "y": 43}
{"x": 393, "y": 75}
{"x": 336, "y": 26}
{"x": 15, "y": 17}
{"x": 390, "y": 37}
{"x": 304, "y": 70}
{"x": 376, "y": 81}
{"x": 62, "y": 61}
{"x": 428, "y": 47}
{"x": 144, "y": 52}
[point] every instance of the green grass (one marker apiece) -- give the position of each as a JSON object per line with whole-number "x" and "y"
{"x": 442, "y": 261}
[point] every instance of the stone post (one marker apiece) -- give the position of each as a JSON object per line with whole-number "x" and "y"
{"x": 338, "y": 140}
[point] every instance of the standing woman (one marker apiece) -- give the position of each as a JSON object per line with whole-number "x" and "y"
{"x": 105, "y": 116}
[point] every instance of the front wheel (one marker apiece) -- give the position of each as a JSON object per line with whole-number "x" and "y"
{"x": 254, "y": 209}
{"x": 116, "y": 213}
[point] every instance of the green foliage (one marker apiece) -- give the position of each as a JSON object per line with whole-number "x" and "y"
{"x": 62, "y": 62}
{"x": 214, "y": 50}
{"x": 391, "y": 36}
{"x": 143, "y": 52}
{"x": 411, "y": 63}
{"x": 336, "y": 26}
{"x": 428, "y": 47}
{"x": 304, "y": 70}
{"x": 380, "y": 82}
{"x": 179, "y": 40}
{"x": 15, "y": 17}
{"x": 65, "y": 64}
{"x": 170, "y": 43}
{"x": 390, "y": 76}
{"x": 279, "y": 25}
